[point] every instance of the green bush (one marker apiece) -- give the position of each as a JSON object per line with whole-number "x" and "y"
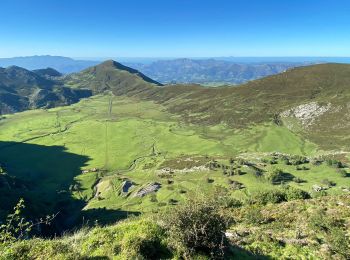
{"x": 274, "y": 176}
{"x": 195, "y": 227}
{"x": 287, "y": 193}
{"x": 295, "y": 194}
{"x": 271, "y": 196}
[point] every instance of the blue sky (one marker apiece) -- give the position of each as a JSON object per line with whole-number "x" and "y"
{"x": 174, "y": 28}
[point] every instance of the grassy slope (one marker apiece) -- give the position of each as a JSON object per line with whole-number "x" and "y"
{"x": 300, "y": 229}
{"x": 112, "y": 140}
{"x": 258, "y": 101}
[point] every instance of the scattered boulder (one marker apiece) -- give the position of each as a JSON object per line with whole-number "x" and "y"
{"x": 90, "y": 170}
{"x": 318, "y": 188}
{"x": 149, "y": 188}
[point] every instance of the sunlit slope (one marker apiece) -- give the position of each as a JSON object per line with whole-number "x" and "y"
{"x": 112, "y": 138}
{"x": 310, "y": 100}
{"x": 109, "y": 133}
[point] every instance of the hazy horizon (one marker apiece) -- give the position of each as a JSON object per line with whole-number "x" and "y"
{"x": 238, "y": 59}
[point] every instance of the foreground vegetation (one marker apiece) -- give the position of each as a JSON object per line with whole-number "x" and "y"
{"x": 203, "y": 228}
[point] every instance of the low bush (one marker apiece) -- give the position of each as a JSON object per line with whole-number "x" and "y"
{"x": 196, "y": 227}
{"x": 271, "y": 196}
{"x": 287, "y": 193}
{"x": 295, "y": 194}
{"x": 274, "y": 176}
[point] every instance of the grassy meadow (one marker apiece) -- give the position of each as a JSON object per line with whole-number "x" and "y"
{"x": 115, "y": 139}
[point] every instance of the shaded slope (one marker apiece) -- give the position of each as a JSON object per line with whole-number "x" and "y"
{"x": 48, "y": 72}
{"x": 21, "y": 89}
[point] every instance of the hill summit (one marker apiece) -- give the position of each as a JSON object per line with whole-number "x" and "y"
{"x": 111, "y": 76}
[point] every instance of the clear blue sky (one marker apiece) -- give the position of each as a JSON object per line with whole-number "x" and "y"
{"x": 175, "y": 28}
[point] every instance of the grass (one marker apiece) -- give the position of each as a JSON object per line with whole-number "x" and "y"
{"x": 298, "y": 229}
{"x": 109, "y": 133}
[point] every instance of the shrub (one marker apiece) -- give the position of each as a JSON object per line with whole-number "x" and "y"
{"x": 297, "y": 160}
{"x": 275, "y": 176}
{"x": 286, "y": 161}
{"x": 153, "y": 198}
{"x": 295, "y": 194}
{"x": 196, "y": 227}
{"x": 172, "y": 202}
{"x": 277, "y": 196}
{"x": 208, "y": 180}
{"x": 271, "y": 196}
{"x": 273, "y": 161}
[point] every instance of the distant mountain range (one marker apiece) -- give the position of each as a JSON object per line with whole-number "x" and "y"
{"x": 62, "y": 64}
{"x": 203, "y": 71}
{"x": 211, "y": 70}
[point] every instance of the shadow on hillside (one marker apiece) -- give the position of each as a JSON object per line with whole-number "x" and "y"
{"x": 105, "y": 216}
{"x": 45, "y": 174}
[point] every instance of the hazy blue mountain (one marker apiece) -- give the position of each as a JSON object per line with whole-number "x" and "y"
{"x": 210, "y": 70}
{"x": 61, "y": 64}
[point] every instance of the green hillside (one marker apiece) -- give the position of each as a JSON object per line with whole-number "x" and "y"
{"x": 137, "y": 147}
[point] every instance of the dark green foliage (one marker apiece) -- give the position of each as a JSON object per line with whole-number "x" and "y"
{"x": 291, "y": 193}
{"x": 153, "y": 197}
{"x": 272, "y": 196}
{"x": 287, "y": 193}
{"x": 21, "y": 89}
{"x": 209, "y": 180}
{"x": 335, "y": 163}
{"x": 16, "y": 227}
{"x": 277, "y": 176}
{"x": 297, "y": 160}
{"x": 196, "y": 227}
{"x": 273, "y": 161}
{"x": 172, "y": 202}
